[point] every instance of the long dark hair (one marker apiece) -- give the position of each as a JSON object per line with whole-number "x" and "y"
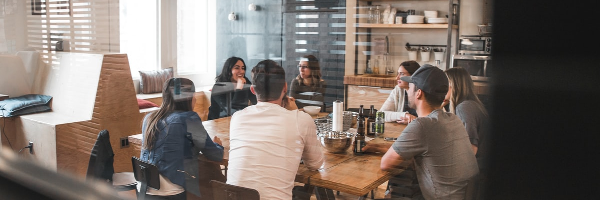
{"x": 411, "y": 66}
{"x": 226, "y": 74}
{"x": 169, "y": 104}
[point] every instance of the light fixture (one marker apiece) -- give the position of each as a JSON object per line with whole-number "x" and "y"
{"x": 232, "y": 16}
{"x": 252, "y": 7}
{"x": 466, "y": 42}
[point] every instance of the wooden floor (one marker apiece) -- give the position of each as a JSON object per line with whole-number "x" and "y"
{"x": 379, "y": 193}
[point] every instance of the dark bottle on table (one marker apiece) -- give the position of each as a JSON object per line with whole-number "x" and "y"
{"x": 359, "y": 139}
{"x": 371, "y": 122}
{"x": 361, "y": 112}
{"x": 361, "y": 115}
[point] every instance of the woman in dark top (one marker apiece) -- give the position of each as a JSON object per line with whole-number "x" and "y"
{"x": 173, "y": 138}
{"x": 466, "y": 105}
{"x": 232, "y": 81}
{"x": 308, "y": 88}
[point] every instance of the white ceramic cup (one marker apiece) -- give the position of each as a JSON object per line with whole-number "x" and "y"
{"x": 398, "y": 20}
{"x": 412, "y": 55}
{"x": 424, "y": 55}
{"x": 438, "y": 56}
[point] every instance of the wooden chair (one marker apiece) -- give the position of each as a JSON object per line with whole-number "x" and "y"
{"x": 100, "y": 165}
{"x": 147, "y": 174}
{"x": 224, "y": 191}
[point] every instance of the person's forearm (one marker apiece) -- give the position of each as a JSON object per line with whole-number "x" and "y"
{"x": 391, "y": 116}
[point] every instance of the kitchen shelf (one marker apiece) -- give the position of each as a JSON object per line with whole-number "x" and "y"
{"x": 439, "y": 26}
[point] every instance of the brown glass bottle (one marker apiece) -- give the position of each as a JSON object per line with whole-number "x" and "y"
{"x": 359, "y": 139}
{"x": 371, "y": 122}
{"x": 361, "y": 112}
{"x": 361, "y": 115}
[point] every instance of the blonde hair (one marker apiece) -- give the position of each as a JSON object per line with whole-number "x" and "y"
{"x": 462, "y": 88}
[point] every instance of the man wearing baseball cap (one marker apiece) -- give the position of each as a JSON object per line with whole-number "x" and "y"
{"x": 437, "y": 140}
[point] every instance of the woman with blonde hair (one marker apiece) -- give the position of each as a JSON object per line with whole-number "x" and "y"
{"x": 172, "y": 139}
{"x": 466, "y": 105}
{"x": 308, "y": 88}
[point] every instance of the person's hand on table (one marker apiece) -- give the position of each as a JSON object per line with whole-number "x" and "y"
{"x": 217, "y": 140}
{"x": 408, "y": 118}
{"x": 376, "y": 147}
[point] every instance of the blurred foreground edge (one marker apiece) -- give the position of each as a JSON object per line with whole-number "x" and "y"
{"x": 25, "y": 179}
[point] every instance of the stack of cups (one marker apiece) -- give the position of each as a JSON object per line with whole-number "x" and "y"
{"x": 347, "y": 120}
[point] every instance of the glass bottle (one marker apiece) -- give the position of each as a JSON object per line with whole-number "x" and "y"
{"x": 371, "y": 15}
{"x": 361, "y": 113}
{"x": 377, "y": 15}
{"x": 371, "y": 122}
{"x": 359, "y": 139}
{"x": 379, "y": 123}
{"x": 375, "y": 66}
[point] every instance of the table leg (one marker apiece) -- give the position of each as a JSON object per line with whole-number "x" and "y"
{"x": 324, "y": 194}
{"x": 229, "y": 104}
{"x": 302, "y": 192}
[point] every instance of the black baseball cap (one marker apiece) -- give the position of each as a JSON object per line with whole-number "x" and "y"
{"x": 430, "y": 79}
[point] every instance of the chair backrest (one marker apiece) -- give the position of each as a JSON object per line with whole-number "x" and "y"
{"x": 145, "y": 173}
{"x": 101, "y": 161}
{"x": 224, "y": 191}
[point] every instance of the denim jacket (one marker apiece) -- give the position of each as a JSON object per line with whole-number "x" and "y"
{"x": 181, "y": 139}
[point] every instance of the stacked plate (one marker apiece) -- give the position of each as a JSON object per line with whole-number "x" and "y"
{"x": 415, "y": 19}
{"x": 437, "y": 20}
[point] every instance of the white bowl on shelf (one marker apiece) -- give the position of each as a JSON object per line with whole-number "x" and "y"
{"x": 415, "y": 19}
{"x": 312, "y": 110}
{"x": 431, "y": 13}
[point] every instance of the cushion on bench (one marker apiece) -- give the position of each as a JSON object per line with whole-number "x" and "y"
{"x": 142, "y": 104}
{"x": 26, "y": 104}
{"x": 153, "y": 81}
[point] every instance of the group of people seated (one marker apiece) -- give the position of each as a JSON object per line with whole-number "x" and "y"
{"x": 232, "y": 87}
{"x": 446, "y": 133}
{"x": 270, "y": 137}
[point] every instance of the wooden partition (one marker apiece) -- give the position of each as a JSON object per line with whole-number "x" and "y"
{"x": 88, "y": 96}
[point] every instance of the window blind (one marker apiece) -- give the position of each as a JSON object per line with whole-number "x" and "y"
{"x": 320, "y": 32}
{"x": 82, "y": 25}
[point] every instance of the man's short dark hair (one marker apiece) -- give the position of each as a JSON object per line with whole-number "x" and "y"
{"x": 432, "y": 100}
{"x": 268, "y": 79}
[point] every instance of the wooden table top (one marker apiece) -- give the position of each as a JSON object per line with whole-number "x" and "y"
{"x": 344, "y": 172}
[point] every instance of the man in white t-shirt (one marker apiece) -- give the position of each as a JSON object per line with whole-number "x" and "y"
{"x": 268, "y": 140}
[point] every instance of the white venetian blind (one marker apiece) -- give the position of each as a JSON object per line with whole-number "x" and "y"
{"x": 82, "y": 25}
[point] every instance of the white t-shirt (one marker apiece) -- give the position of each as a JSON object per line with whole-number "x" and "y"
{"x": 267, "y": 142}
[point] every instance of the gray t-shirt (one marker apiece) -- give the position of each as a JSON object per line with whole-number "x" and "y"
{"x": 475, "y": 121}
{"x": 444, "y": 160}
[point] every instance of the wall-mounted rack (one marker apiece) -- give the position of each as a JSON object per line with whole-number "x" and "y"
{"x": 425, "y": 45}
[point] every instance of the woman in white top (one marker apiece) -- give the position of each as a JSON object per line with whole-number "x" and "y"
{"x": 396, "y": 106}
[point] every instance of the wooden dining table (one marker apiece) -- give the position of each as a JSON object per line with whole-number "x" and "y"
{"x": 344, "y": 172}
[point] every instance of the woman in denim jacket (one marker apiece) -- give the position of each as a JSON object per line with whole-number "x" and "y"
{"x": 173, "y": 138}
